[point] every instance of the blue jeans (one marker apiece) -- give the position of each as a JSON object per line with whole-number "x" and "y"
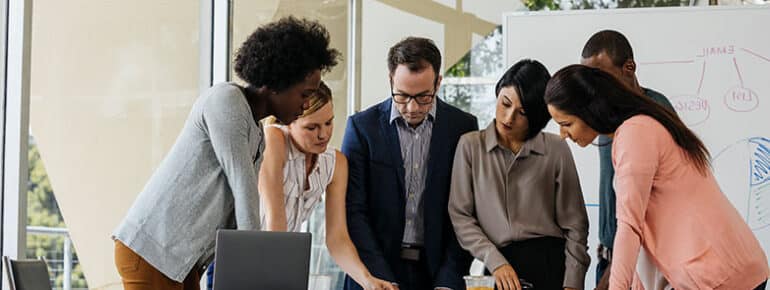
{"x": 210, "y": 277}
{"x": 601, "y": 266}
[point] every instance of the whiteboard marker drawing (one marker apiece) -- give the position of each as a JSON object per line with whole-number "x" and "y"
{"x": 743, "y": 172}
{"x": 759, "y": 184}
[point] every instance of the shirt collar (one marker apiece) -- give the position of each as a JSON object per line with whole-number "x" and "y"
{"x": 294, "y": 152}
{"x": 394, "y": 114}
{"x": 535, "y": 144}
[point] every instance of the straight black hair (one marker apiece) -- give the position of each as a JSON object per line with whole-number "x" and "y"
{"x": 529, "y": 78}
{"x": 604, "y": 103}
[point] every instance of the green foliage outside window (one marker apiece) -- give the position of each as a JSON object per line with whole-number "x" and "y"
{"x": 42, "y": 210}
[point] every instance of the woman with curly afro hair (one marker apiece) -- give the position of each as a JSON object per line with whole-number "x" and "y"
{"x": 208, "y": 180}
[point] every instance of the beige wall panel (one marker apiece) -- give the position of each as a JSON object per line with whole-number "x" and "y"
{"x": 383, "y": 26}
{"x": 492, "y": 10}
{"x": 448, "y": 23}
{"x": 112, "y": 83}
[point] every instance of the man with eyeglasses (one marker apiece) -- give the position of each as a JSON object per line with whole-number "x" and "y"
{"x": 400, "y": 154}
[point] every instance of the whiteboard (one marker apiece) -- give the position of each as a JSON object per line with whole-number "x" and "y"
{"x": 713, "y": 63}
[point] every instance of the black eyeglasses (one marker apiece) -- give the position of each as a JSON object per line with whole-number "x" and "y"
{"x": 422, "y": 99}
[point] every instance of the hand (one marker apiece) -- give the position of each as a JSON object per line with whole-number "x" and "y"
{"x": 506, "y": 278}
{"x": 568, "y": 288}
{"x": 604, "y": 282}
{"x": 373, "y": 283}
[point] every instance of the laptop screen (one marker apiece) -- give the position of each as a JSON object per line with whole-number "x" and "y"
{"x": 261, "y": 260}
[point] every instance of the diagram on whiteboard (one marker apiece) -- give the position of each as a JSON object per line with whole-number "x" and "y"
{"x": 696, "y": 107}
{"x": 750, "y": 156}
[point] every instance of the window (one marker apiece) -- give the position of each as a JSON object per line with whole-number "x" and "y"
{"x": 111, "y": 84}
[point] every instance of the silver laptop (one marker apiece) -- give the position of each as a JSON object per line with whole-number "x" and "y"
{"x": 261, "y": 260}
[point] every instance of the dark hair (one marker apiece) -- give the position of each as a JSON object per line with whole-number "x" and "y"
{"x": 317, "y": 100}
{"x": 604, "y": 103}
{"x": 415, "y": 53}
{"x": 529, "y": 78}
{"x": 283, "y": 53}
{"x": 611, "y": 42}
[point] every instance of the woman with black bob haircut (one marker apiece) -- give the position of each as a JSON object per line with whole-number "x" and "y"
{"x": 668, "y": 201}
{"x": 208, "y": 180}
{"x": 515, "y": 199}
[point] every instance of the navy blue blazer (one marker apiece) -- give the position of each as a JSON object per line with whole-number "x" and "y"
{"x": 376, "y": 201}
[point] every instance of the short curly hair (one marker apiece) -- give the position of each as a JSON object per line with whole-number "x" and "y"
{"x": 282, "y": 53}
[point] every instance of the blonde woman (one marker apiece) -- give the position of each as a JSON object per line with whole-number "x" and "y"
{"x": 298, "y": 169}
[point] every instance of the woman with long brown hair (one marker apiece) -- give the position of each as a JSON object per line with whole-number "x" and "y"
{"x": 668, "y": 201}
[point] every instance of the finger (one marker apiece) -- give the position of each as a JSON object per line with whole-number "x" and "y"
{"x": 511, "y": 284}
{"x": 516, "y": 283}
{"x": 499, "y": 283}
{"x": 504, "y": 283}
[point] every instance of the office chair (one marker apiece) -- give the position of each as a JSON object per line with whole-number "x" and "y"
{"x": 27, "y": 274}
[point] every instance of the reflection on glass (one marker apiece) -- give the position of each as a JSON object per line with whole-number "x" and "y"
{"x": 46, "y": 233}
{"x": 469, "y": 84}
{"x": 111, "y": 83}
{"x": 321, "y": 262}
